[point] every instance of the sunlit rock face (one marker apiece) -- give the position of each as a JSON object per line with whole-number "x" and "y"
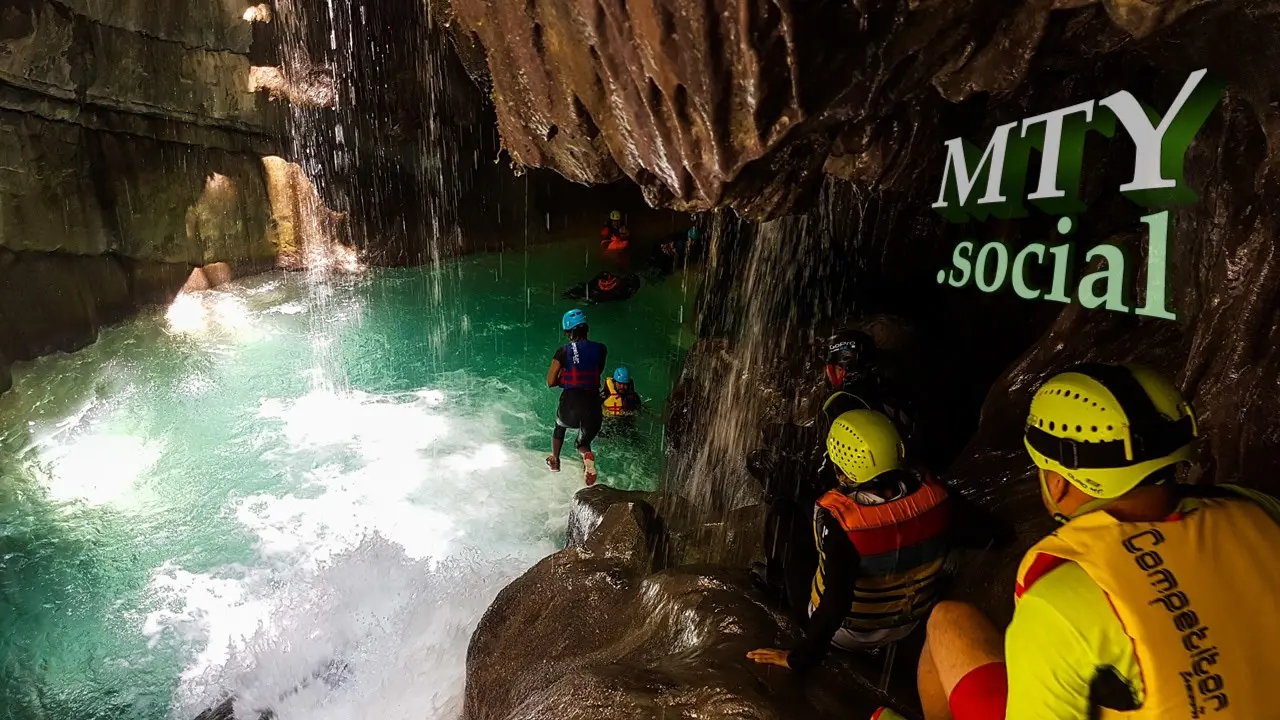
{"x": 314, "y": 88}
{"x": 130, "y": 146}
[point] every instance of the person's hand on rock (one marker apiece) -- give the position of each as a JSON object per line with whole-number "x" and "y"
{"x": 770, "y": 656}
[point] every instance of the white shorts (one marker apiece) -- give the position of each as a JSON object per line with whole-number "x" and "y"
{"x": 847, "y": 639}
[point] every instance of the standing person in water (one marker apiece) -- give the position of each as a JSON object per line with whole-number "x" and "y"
{"x": 615, "y": 235}
{"x": 576, "y": 369}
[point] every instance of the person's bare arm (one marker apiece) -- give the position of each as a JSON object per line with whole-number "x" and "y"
{"x": 553, "y": 373}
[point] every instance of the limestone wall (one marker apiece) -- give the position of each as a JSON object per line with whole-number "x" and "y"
{"x": 187, "y": 62}
{"x": 130, "y": 151}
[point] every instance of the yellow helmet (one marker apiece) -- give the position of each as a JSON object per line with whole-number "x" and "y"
{"x": 1106, "y": 428}
{"x": 615, "y": 215}
{"x": 864, "y": 444}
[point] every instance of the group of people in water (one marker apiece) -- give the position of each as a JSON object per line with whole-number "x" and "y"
{"x": 670, "y": 254}
{"x": 1152, "y": 600}
{"x": 577, "y": 368}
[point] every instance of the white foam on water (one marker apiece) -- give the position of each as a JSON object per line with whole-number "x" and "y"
{"x": 84, "y": 459}
{"x": 374, "y": 634}
{"x": 289, "y": 308}
{"x": 210, "y": 311}
{"x": 406, "y": 516}
{"x": 201, "y": 608}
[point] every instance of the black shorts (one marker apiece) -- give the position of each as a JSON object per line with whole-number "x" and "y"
{"x": 580, "y": 410}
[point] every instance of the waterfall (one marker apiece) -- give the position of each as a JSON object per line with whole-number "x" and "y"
{"x": 774, "y": 292}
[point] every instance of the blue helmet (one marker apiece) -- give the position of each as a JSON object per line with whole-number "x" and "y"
{"x": 572, "y": 319}
{"x": 694, "y": 233}
{"x": 622, "y": 375}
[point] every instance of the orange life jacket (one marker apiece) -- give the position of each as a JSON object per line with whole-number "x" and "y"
{"x": 616, "y": 238}
{"x": 901, "y": 547}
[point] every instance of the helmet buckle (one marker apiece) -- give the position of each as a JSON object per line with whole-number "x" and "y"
{"x": 1069, "y": 453}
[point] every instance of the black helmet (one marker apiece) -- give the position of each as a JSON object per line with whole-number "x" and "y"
{"x": 852, "y": 351}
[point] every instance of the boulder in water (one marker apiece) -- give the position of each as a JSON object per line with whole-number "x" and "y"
{"x": 590, "y": 505}
{"x": 597, "y": 632}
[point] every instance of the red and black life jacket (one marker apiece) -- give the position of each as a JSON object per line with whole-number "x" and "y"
{"x": 901, "y": 548}
{"x": 583, "y": 362}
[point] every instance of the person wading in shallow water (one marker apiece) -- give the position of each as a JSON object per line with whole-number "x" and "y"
{"x": 881, "y": 542}
{"x": 1152, "y": 601}
{"x": 576, "y": 369}
{"x": 619, "y": 398}
{"x": 615, "y": 236}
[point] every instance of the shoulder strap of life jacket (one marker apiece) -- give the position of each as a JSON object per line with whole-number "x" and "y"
{"x": 853, "y": 516}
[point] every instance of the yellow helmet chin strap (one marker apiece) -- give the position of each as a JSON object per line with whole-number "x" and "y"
{"x": 1060, "y": 517}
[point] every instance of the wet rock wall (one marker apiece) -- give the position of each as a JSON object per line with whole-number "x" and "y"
{"x": 897, "y": 79}
{"x": 130, "y": 152}
{"x": 745, "y": 104}
{"x": 408, "y": 151}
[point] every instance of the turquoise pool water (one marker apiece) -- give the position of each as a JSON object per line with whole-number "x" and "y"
{"x": 301, "y": 493}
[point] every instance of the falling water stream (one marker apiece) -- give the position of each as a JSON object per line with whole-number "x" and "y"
{"x": 304, "y": 501}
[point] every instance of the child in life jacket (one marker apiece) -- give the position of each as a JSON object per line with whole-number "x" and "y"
{"x": 619, "y": 398}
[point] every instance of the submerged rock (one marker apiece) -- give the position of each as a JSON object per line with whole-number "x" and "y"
{"x": 598, "y": 632}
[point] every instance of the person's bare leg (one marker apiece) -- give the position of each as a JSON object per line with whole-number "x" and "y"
{"x": 959, "y": 639}
{"x": 933, "y": 699}
{"x": 557, "y": 444}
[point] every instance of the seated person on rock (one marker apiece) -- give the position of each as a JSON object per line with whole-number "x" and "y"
{"x": 856, "y": 383}
{"x": 792, "y": 466}
{"x": 576, "y": 369}
{"x": 615, "y": 235}
{"x": 881, "y": 541}
{"x": 619, "y": 398}
{"x": 1153, "y": 600}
